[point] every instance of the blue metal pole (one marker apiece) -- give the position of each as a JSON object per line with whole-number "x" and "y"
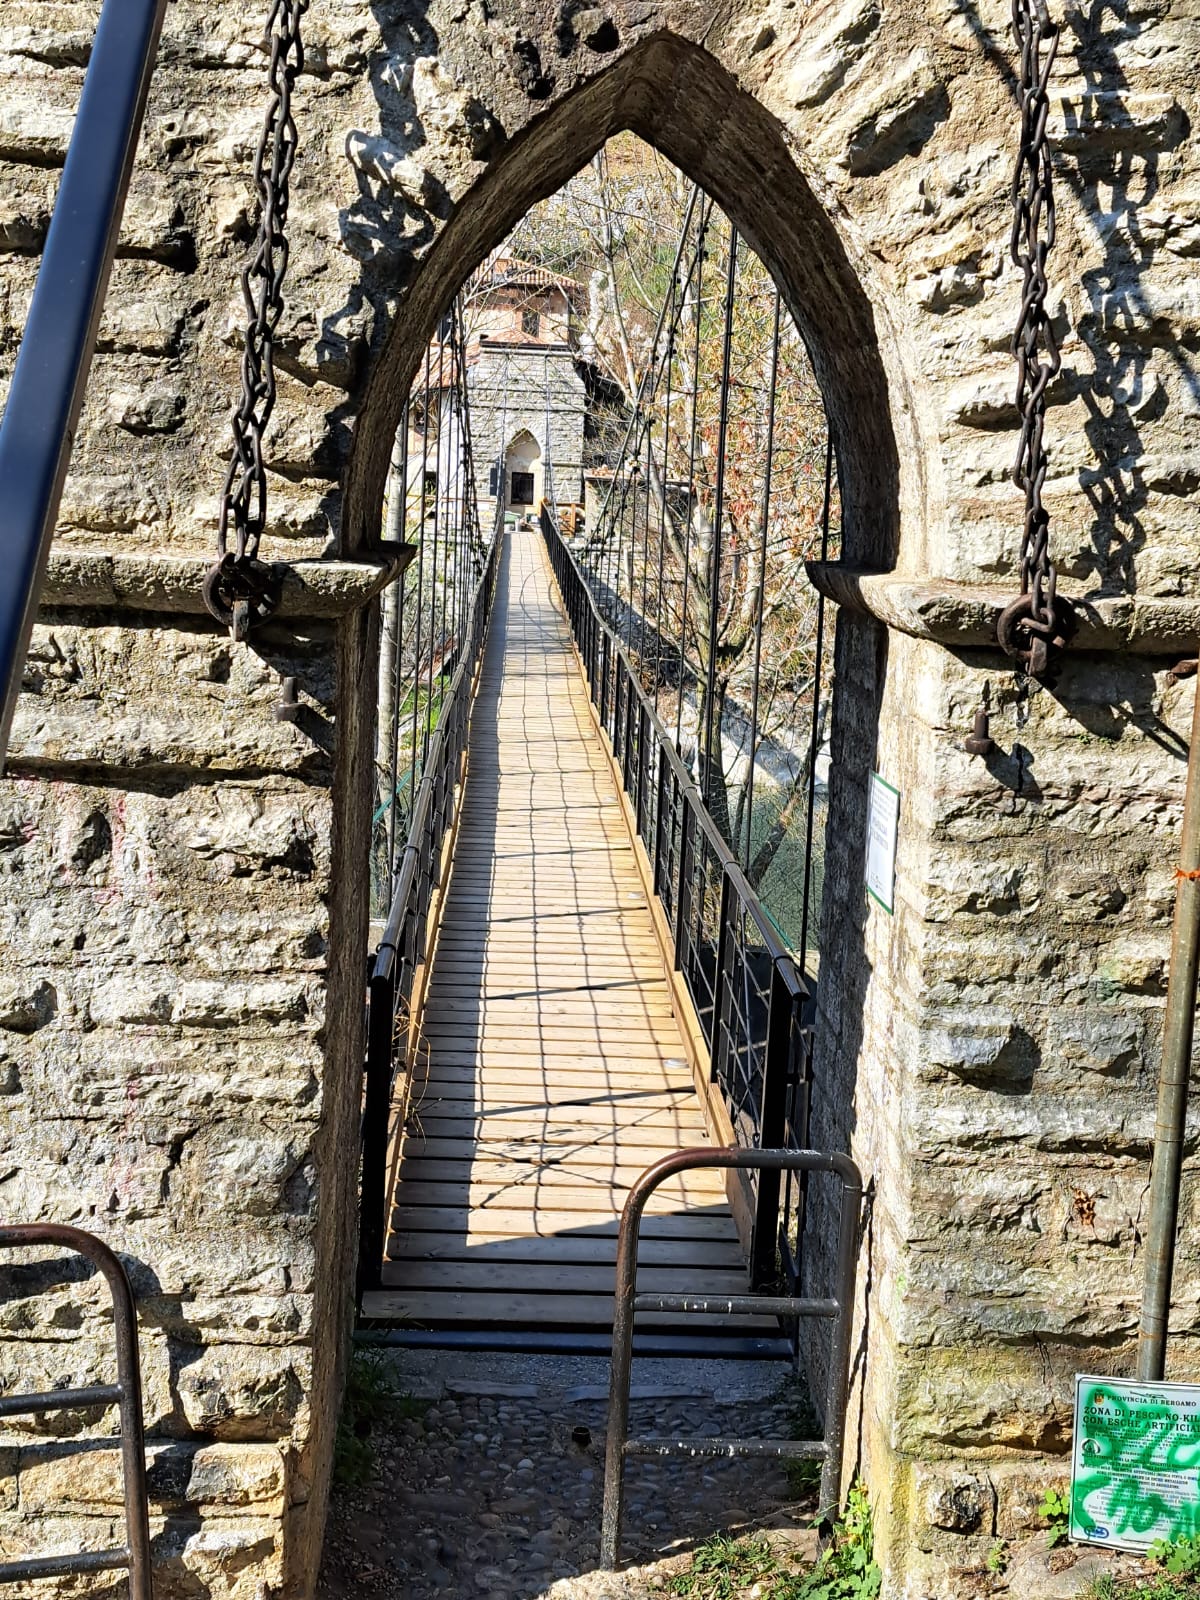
{"x": 37, "y": 432}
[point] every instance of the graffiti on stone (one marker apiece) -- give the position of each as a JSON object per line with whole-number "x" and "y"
{"x": 1135, "y": 1469}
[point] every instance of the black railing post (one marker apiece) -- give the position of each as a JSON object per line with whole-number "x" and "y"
{"x": 772, "y": 1126}
{"x": 660, "y": 813}
{"x": 643, "y": 766}
{"x": 683, "y": 907}
{"x": 717, "y": 1033}
{"x": 381, "y": 1027}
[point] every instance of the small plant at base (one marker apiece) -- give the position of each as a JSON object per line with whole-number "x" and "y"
{"x": 997, "y": 1557}
{"x": 846, "y": 1569}
{"x": 1180, "y": 1557}
{"x": 370, "y": 1398}
{"x": 803, "y": 1477}
{"x": 1056, "y": 1508}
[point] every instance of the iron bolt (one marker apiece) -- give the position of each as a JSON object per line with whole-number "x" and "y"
{"x": 287, "y": 708}
{"x": 980, "y": 742}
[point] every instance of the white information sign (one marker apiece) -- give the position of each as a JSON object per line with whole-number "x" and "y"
{"x": 883, "y": 826}
{"x": 1135, "y": 1467}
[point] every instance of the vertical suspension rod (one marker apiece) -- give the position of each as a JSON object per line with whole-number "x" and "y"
{"x": 815, "y": 729}
{"x": 646, "y": 385}
{"x": 714, "y": 557}
{"x": 701, "y": 239}
{"x": 396, "y": 526}
{"x": 762, "y": 584}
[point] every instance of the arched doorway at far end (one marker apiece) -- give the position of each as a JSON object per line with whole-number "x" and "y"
{"x": 523, "y": 473}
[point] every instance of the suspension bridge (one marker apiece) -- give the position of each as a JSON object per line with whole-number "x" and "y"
{"x": 575, "y": 975}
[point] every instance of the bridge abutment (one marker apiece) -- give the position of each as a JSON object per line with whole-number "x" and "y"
{"x": 184, "y": 938}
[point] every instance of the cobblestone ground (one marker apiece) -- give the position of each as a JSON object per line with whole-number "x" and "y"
{"x": 493, "y": 1491}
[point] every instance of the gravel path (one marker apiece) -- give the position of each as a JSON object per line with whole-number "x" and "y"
{"x": 494, "y": 1491}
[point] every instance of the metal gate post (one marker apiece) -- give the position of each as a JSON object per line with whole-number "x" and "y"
{"x": 839, "y": 1310}
{"x": 126, "y": 1394}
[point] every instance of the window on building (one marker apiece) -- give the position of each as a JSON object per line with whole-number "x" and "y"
{"x": 531, "y": 323}
{"x": 522, "y": 489}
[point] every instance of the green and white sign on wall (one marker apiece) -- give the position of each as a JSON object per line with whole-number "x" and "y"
{"x": 1135, "y": 1468}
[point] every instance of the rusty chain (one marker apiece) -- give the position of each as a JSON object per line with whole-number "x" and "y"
{"x": 240, "y": 590}
{"x": 1037, "y": 625}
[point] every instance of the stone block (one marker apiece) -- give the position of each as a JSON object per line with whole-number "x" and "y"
{"x": 86, "y": 1476}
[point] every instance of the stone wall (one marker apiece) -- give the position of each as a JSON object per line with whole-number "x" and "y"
{"x": 186, "y": 917}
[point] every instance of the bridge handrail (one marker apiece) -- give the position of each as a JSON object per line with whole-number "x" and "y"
{"x": 38, "y": 425}
{"x": 754, "y": 1021}
{"x": 730, "y": 865}
{"x": 134, "y": 1557}
{"x": 402, "y": 946}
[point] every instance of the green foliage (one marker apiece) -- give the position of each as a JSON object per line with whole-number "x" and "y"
{"x": 847, "y": 1569}
{"x": 1056, "y": 1508}
{"x": 725, "y": 1568}
{"x": 997, "y": 1556}
{"x": 1177, "y": 1575}
{"x": 722, "y": 1567}
{"x": 1180, "y": 1557}
{"x": 370, "y": 1399}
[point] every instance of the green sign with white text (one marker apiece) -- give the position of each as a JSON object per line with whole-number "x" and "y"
{"x": 1135, "y": 1467}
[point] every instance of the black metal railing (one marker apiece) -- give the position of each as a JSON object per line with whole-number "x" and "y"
{"x": 126, "y": 1394}
{"x": 747, "y": 988}
{"x": 837, "y": 1308}
{"x": 402, "y": 947}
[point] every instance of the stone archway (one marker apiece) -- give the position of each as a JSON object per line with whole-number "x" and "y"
{"x": 524, "y": 473}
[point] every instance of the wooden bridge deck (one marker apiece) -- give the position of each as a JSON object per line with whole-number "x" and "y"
{"x": 553, "y": 1067}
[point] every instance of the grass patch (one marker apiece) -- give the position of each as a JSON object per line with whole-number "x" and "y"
{"x": 1175, "y": 1575}
{"x": 1165, "y": 1586}
{"x": 724, "y": 1568}
{"x": 803, "y": 1477}
{"x": 371, "y": 1399}
{"x": 727, "y": 1569}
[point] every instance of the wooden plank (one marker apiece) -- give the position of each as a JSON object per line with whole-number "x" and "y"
{"x": 592, "y": 1249}
{"x": 572, "y": 1075}
{"x": 569, "y": 1036}
{"x": 535, "y": 1097}
{"x": 595, "y": 1165}
{"x": 714, "y": 1225}
{"x": 603, "y": 1197}
{"x": 557, "y": 1277}
{"x": 438, "y": 1138}
{"x": 443, "y": 1119}
{"x": 555, "y": 999}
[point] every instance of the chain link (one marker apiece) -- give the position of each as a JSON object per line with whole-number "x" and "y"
{"x": 239, "y": 589}
{"x": 1038, "y": 624}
